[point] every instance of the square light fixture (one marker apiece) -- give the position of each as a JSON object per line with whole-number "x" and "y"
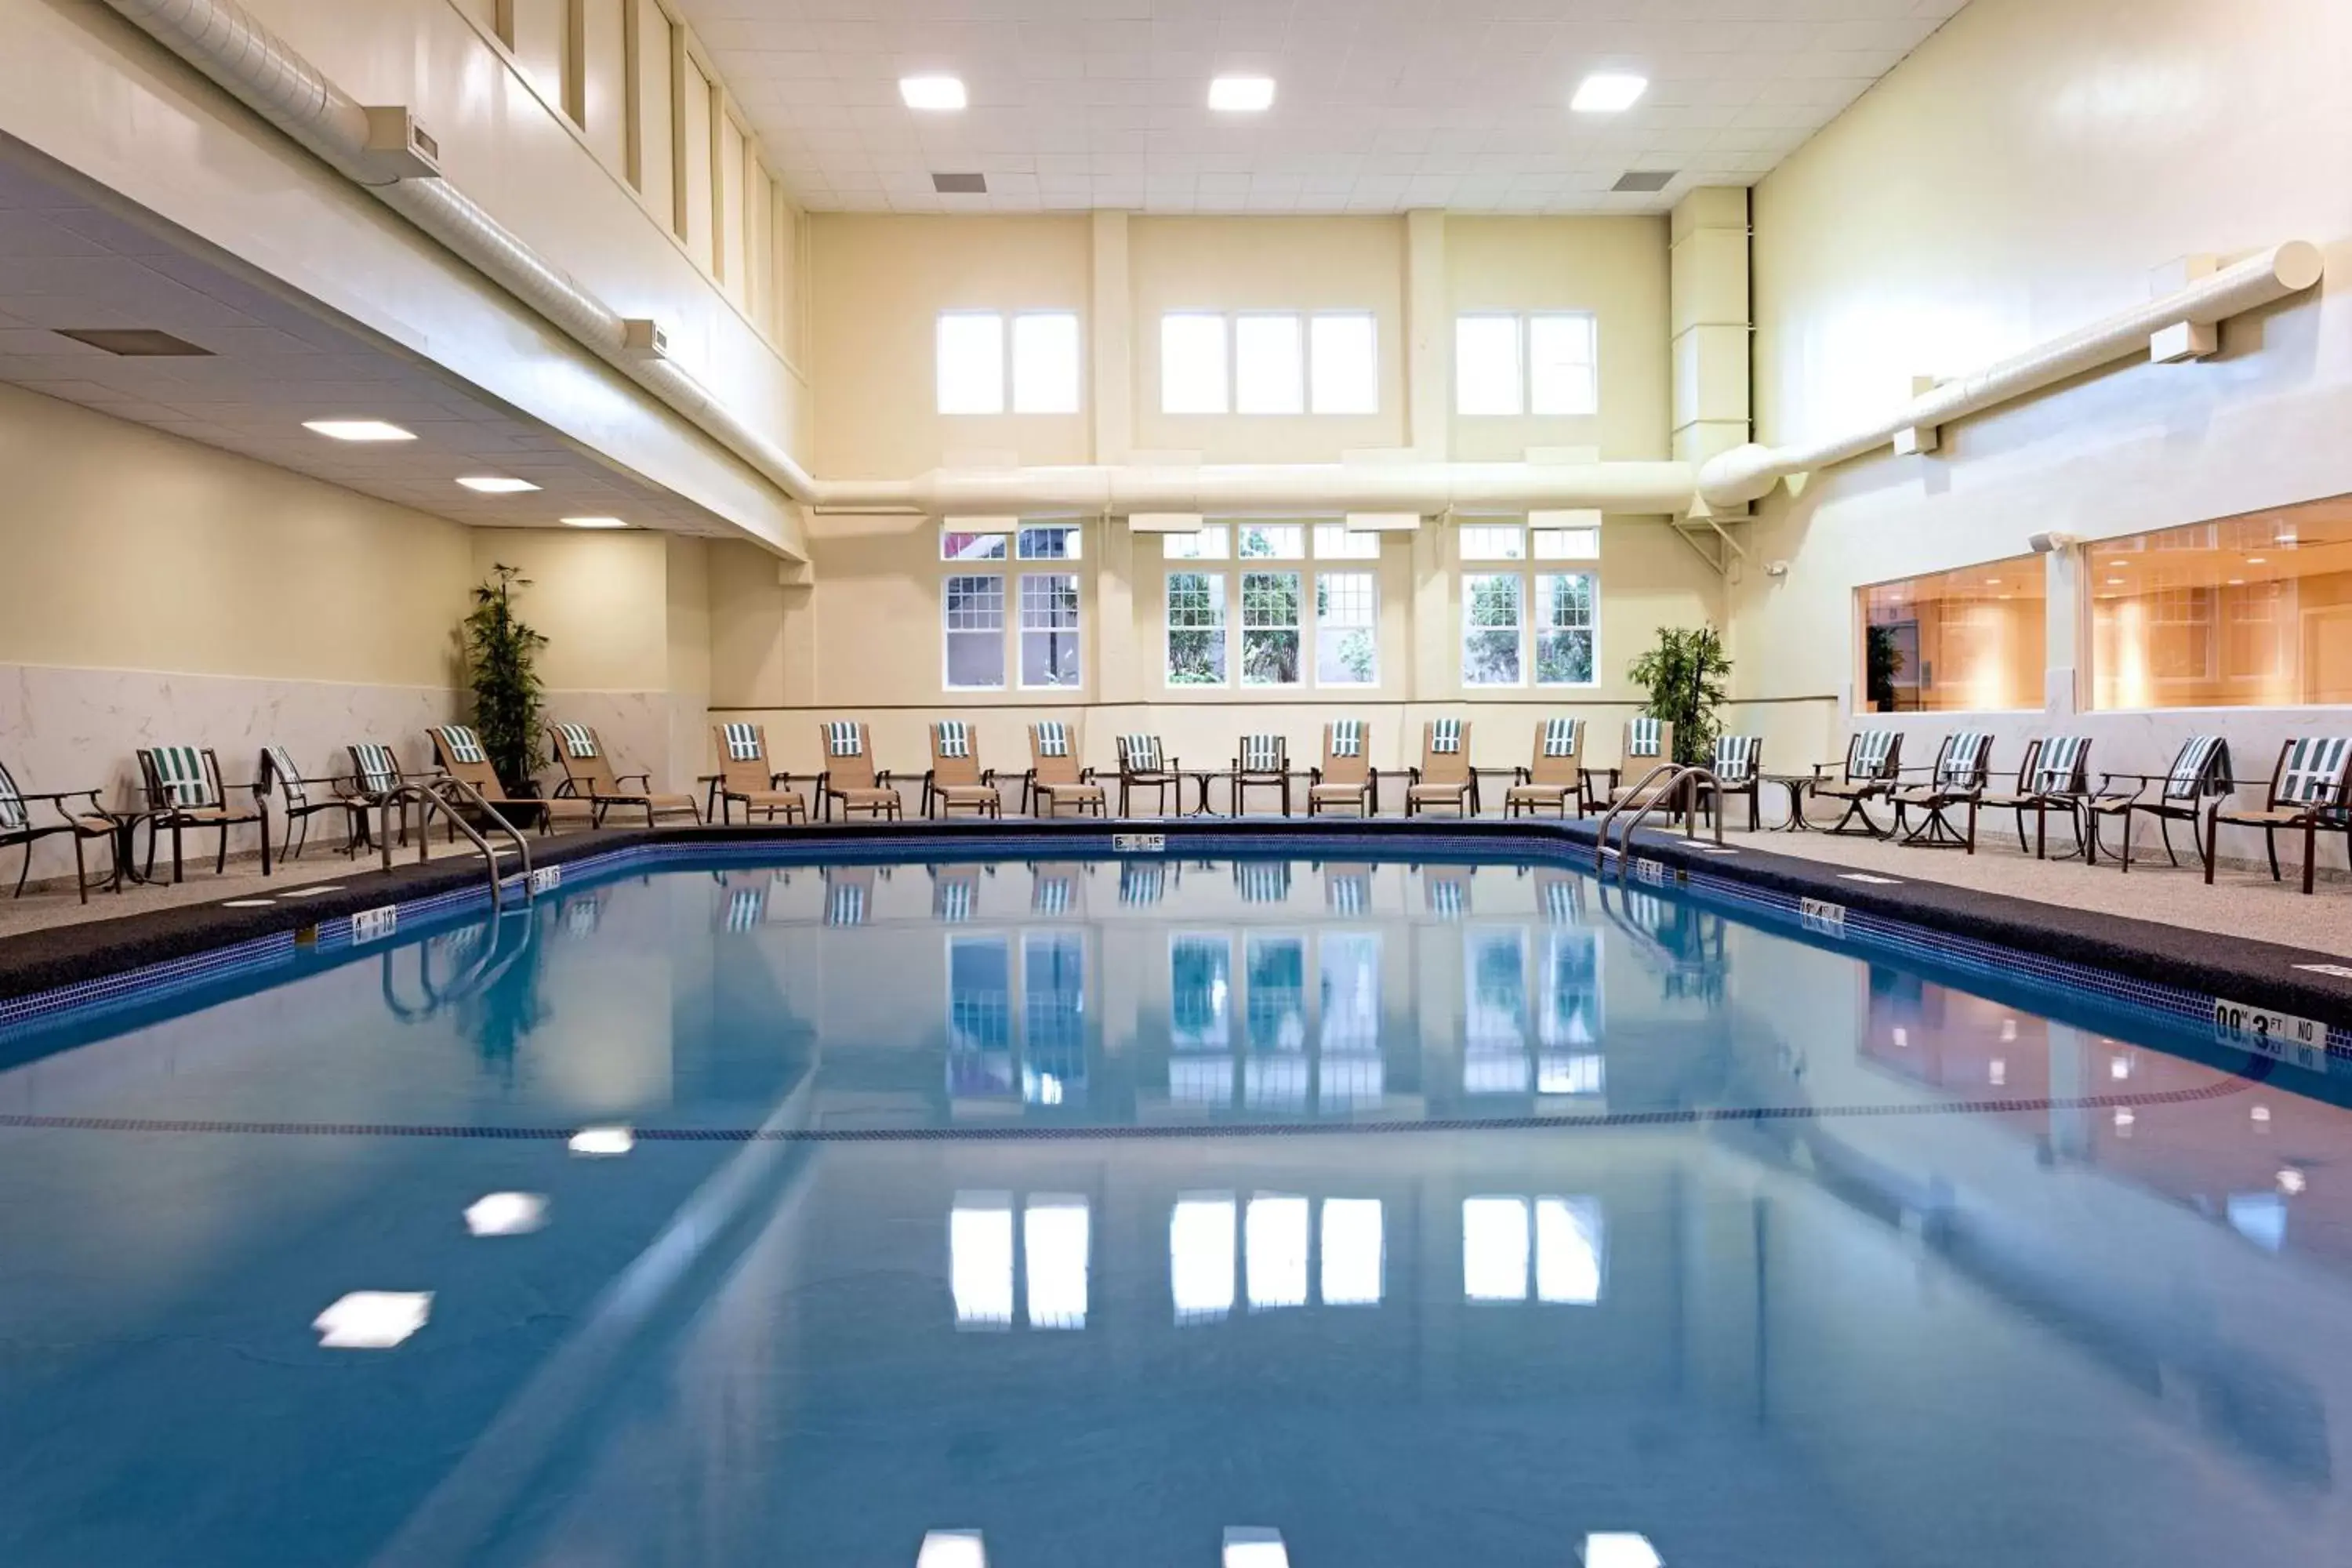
{"x": 358, "y": 430}
{"x": 1242, "y": 94}
{"x": 602, "y": 1141}
{"x": 595, "y": 522}
{"x": 938, "y": 94}
{"x": 506, "y": 1214}
{"x": 372, "y": 1320}
{"x": 495, "y": 485}
{"x": 1608, "y": 92}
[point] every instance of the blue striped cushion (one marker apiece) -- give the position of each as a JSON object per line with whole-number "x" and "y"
{"x": 1263, "y": 881}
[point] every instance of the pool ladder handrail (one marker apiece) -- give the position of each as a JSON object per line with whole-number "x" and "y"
{"x": 431, "y": 797}
{"x": 1674, "y": 776}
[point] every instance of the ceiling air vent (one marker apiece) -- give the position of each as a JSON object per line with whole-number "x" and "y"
{"x": 1646, "y": 179}
{"x": 959, "y": 185}
{"x": 135, "y": 343}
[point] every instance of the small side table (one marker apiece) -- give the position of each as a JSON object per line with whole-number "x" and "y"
{"x": 1204, "y": 777}
{"x": 1796, "y": 784}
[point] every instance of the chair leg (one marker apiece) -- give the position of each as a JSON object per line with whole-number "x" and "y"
{"x": 2212, "y": 842}
{"x": 27, "y": 870}
{"x": 81, "y": 869}
{"x": 1972, "y": 826}
{"x": 2310, "y": 849}
{"x": 265, "y": 844}
{"x": 2164, "y": 824}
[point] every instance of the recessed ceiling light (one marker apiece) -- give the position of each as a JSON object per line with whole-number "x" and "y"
{"x": 358, "y": 430}
{"x": 605, "y": 1140}
{"x": 2286, "y": 538}
{"x": 594, "y": 523}
{"x": 2237, "y": 583}
{"x": 1608, "y": 92}
{"x": 1241, "y": 94}
{"x": 506, "y": 1214}
{"x": 496, "y": 485}
{"x": 938, "y": 94}
{"x": 2115, "y": 581}
{"x": 372, "y": 1320}
{"x": 2256, "y": 559}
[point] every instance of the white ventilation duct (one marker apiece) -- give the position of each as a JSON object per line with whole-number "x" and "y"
{"x": 1245, "y": 489}
{"x": 1746, "y": 474}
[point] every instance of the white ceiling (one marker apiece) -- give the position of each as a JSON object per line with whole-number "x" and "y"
{"x": 1383, "y": 105}
{"x": 67, "y": 261}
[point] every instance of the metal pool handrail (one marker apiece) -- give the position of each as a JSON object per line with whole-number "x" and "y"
{"x": 430, "y": 797}
{"x": 1676, "y": 775}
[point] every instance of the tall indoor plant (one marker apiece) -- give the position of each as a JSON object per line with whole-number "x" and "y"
{"x": 501, "y": 662}
{"x": 1683, "y": 674}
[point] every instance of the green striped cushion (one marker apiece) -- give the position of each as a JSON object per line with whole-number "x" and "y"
{"x": 377, "y": 768}
{"x": 461, "y": 744}
{"x": 12, "y": 804}
{"x": 1735, "y": 758}
{"x": 1444, "y": 737}
{"x": 1560, "y": 736}
{"x": 845, "y": 738}
{"x": 953, "y": 738}
{"x": 279, "y": 765}
{"x": 1964, "y": 756}
{"x": 1053, "y": 738}
{"x": 1873, "y": 748}
{"x": 1138, "y": 753}
{"x": 2061, "y": 766}
{"x": 1346, "y": 737}
{"x": 2314, "y": 774}
{"x": 579, "y": 740}
{"x": 180, "y": 776}
{"x": 2194, "y": 770}
{"x": 1263, "y": 753}
{"x": 742, "y": 742}
{"x": 1644, "y": 737}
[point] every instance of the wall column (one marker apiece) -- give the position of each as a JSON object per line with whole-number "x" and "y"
{"x": 1113, "y": 393}
{"x": 1708, "y": 318}
{"x": 1428, "y": 428}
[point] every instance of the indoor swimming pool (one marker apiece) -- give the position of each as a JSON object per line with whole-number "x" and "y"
{"x": 1415, "y": 1215}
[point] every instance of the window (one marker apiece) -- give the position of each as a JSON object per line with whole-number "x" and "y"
{"x": 1269, "y": 628}
{"x": 974, "y": 608}
{"x": 1545, "y": 364}
{"x": 1567, "y": 543}
{"x": 1280, "y": 363}
{"x": 1970, "y": 639}
{"x": 1049, "y": 630}
{"x": 973, "y": 371}
{"x": 1347, "y": 628}
{"x": 1493, "y": 615}
{"x": 1196, "y": 628}
{"x": 1567, "y": 1250}
{"x": 2245, "y": 611}
{"x": 1210, "y": 545}
{"x": 1273, "y": 542}
{"x": 1564, "y": 630}
{"x": 1274, "y": 1251}
{"x": 1490, "y": 542}
{"x": 1192, "y": 364}
{"x": 1057, "y": 542}
{"x": 972, "y": 546}
{"x": 1338, "y": 541}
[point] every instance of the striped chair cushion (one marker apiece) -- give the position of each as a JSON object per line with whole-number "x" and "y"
{"x": 12, "y": 804}
{"x": 1348, "y": 895}
{"x": 1735, "y": 758}
{"x": 1138, "y": 753}
{"x": 2061, "y": 765}
{"x": 1446, "y": 737}
{"x": 579, "y": 740}
{"x": 742, "y": 742}
{"x": 1963, "y": 762}
{"x": 952, "y": 738}
{"x": 2314, "y": 774}
{"x": 1264, "y": 754}
{"x": 951, "y": 901}
{"x": 378, "y": 769}
{"x": 1346, "y": 737}
{"x": 1560, "y": 736}
{"x": 844, "y": 738}
{"x": 1050, "y": 896}
{"x": 1643, "y": 737}
{"x": 1563, "y": 900}
{"x": 1872, "y": 748}
{"x": 2193, "y": 770}
{"x": 1448, "y": 896}
{"x": 845, "y": 904}
{"x": 746, "y": 907}
{"x": 280, "y": 766}
{"x": 460, "y": 745}
{"x": 1263, "y": 881}
{"x": 1142, "y": 882}
{"x": 180, "y": 776}
{"x": 1053, "y": 738}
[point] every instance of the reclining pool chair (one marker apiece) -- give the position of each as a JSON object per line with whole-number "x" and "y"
{"x": 850, "y": 776}
{"x": 2201, "y": 772}
{"x": 300, "y": 804}
{"x": 1873, "y": 766}
{"x": 458, "y": 753}
{"x": 1443, "y": 777}
{"x": 744, "y": 776}
{"x": 1054, "y": 779}
{"x": 588, "y": 773}
{"x": 85, "y": 822}
{"x": 956, "y": 778}
{"x": 1649, "y": 744}
{"x": 2311, "y": 788}
{"x": 184, "y": 791}
{"x": 1963, "y": 767}
{"x": 1346, "y": 778}
{"x": 2053, "y": 775}
{"x": 1556, "y": 772}
{"x": 1263, "y": 762}
{"x": 1143, "y": 765}
{"x": 1739, "y": 769}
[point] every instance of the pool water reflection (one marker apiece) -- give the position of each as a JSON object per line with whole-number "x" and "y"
{"x": 1381, "y": 1215}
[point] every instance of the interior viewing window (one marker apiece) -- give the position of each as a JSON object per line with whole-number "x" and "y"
{"x": 1970, "y": 640}
{"x": 972, "y": 546}
{"x": 2245, "y": 611}
{"x": 1347, "y": 628}
{"x": 1049, "y": 629}
{"x": 1196, "y": 628}
{"x": 1338, "y": 541}
{"x": 973, "y": 606}
{"x": 1210, "y": 545}
{"x": 1269, "y": 363}
{"x": 1270, "y": 628}
{"x": 1041, "y": 376}
{"x": 1508, "y": 365}
{"x": 1494, "y": 618}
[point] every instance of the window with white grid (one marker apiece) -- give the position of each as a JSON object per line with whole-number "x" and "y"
{"x": 1268, "y": 362}
{"x": 1196, "y": 628}
{"x": 972, "y": 606}
{"x": 1546, "y": 364}
{"x": 1049, "y": 629}
{"x": 1338, "y": 541}
{"x": 1211, "y": 543}
{"x": 1270, "y": 637}
{"x": 1565, "y": 628}
{"x": 976, "y": 376}
{"x": 1494, "y": 542}
{"x": 1347, "y": 628}
{"x": 1273, "y": 542}
{"x": 1494, "y": 618}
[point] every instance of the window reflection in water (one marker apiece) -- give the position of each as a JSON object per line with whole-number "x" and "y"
{"x": 1200, "y": 972}
{"x": 1275, "y": 1076}
{"x": 980, "y": 1259}
{"x": 1495, "y": 1250}
{"x": 1493, "y": 1029}
{"x": 980, "y": 1016}
{"x": 1568, "y": 1250}
{"x": 1568, "y": 1024}
{"x": 1273, "y": 1241}
{"x": 1349, "y": 1071}
{"x": 1200, "y": 1256}
{"x": 1352, "y": 1257}
{"x": 1054, "y": 1234}
{"x": 1054, "y": 1018}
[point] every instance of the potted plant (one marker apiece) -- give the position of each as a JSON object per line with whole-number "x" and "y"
{"x": 1683, "y": 676}
{"x": 501, "y": 665}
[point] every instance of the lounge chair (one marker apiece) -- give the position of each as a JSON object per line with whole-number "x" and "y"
{"x": 2311, "y": 788}
{"x": 299, "y": 806}
{"x": 1263, "y": 762}
{"x": 376, "y": 774}
{"x": 588, "y": 773}
{"x": 1143, "y": 765}
{"x": 955, "y": 777}
{"x": 850, "y": 776}
{"x": 743, "y": 776}
{"x": 2200, "y": 772}
{"x": 1739, "y": 769}
{"x": 1872, "y": 768}
{"x": 1054, "y": 779}
{"x": 184, "y": 791}
{"x": 1443, "y": 777}
{"x": 1649, "y": 745}
{"x": 1346, "y": 778}
{"x": 86, "y": 822}
{"x": 1556, "y": 772}
{"x": 2055, "y": 774}
{"x": 459, "y": 751}
{"x": 1963, "y": 767}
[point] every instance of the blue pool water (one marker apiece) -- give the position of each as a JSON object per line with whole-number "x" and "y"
{"x": 1427, "y": 1216}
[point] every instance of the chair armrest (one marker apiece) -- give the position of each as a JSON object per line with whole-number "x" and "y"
{"x": 1315, "y": 775}
{"x": 1522, "y": 775}
{"x": 988, "y": 777}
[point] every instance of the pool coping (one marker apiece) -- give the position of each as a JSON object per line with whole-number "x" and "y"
{"x": 66, "y": 968}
